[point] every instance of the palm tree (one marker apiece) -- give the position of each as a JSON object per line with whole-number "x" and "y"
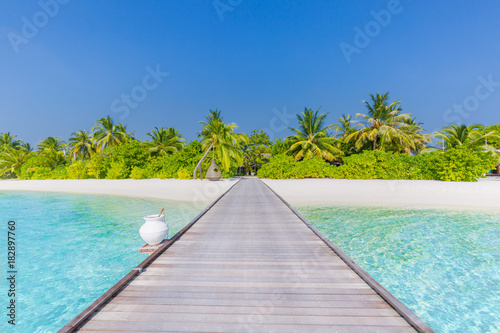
{"x": 107, "y": 134}
{"x": 414, "y": 131}
{"x": 9, "y": 141}
{"x": 80, "y": 145}
{"x": 383, "y": 125}
{"x": 220, "y": 137}
{"x": 165, "y": 141}
{"x": 51, "y": 143}
{"x": 12, "y": 159}
{"x": 311, "y": 139}
{"x": 27, "y": 146}
{"x": 345, "y": 127}
{"x": 52, "y": 158}
{"x": 52, "y": 152}
{"x": 473, "y": 137}
{"x": 127, "y": 135}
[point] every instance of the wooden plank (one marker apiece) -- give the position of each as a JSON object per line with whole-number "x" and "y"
{"x": 263, "y": 319}
{"x": 250, "y": 264}
{"x": 250, "y": 296}
{"x": 277, "y": 310}
{"x": 376, "y": 304}
{"x": 126, "y": 326}
{"x": 280, "y": 291}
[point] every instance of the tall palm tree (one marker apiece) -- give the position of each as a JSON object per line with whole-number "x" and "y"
{"x": 312, "y": 139}
{"x": 80, "y": 145}
{"x": 107, "y": 134}
{"x": 11, "y": 160}
{"x": 7, "y": 140}
{"x": 221, "y": 138}
{"x": 473, "y": 137}
{"x": 164, "y": 141}
{"x": 51, "y": 143}
{"x": 383, "y": 125}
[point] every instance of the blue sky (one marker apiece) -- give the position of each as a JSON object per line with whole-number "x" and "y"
{"x": 65, "y": 64}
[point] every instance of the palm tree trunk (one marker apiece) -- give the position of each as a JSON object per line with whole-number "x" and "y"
{"x": 201, "y": 161}
{"x": 375, "y": 143}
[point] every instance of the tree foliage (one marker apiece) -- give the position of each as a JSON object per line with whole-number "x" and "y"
{"x": 312, "y": 138}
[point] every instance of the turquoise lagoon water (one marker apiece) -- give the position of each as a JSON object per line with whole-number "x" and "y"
{"x": 70, "y": 249}
{"x": 443, "y": 264}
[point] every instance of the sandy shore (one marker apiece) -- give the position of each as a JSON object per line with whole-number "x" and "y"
{"x": 170, "y": 189}
{"x": 425, "y": 193}
{"x": 484, "y": 194}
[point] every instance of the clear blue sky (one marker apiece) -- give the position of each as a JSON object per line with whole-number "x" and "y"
{"x": 76, "y": 60}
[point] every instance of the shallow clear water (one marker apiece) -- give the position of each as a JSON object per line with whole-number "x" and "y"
{"x": 443, "y": 264}
{"x": 70, "y": 249}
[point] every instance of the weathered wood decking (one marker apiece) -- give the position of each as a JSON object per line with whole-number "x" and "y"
{"x": 251, "y": 264}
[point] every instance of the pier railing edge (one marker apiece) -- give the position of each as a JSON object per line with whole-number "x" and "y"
{"x": 110, "y": 293}
{"x": 415, "y": 321}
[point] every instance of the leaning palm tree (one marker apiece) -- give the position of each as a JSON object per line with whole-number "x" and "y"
{"x": 107, "y": 134}
{"x": 80, "y": 145}
{"x": 9, "y": 141}
{"x": 51, "y": 143}
{"x": 221, "y": 138}
{"x": 165, "y": 141}
{"x": 473, "y": 137}
{"x": 383, "y": 125}
{"x": 11, "y": 160}
{"x": 312, "y": 139}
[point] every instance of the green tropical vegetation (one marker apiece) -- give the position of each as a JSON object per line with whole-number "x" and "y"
{"x": 383, "y": 143}
{"x": 256, "y": 152}
{"x": 221, "y": 139}
{"x": 312, "y": 138}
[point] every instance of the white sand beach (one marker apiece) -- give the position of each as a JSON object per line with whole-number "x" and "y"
{"x": 429, "y": 193}
{"x": 483, "y": 194}
{"x": 170, "y": 189}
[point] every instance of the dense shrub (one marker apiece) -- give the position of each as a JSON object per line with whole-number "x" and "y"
{"x": 452, "y": 165}
{"x": 283, "y": 167}
{"x": 279, "y": 167}
{"x": 460, "y": 165}
{"x": 78, "y": 170}
{"x": 138, "y": 173}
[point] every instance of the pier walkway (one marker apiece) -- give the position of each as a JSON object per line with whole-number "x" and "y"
{"x": 250, "y": 263}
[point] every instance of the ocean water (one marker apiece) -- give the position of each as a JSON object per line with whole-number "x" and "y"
{"x": 71, "y": 248}
{"x": 442, "y": 264}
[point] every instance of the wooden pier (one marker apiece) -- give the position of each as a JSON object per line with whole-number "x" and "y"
{"x": 249, "y": 263}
